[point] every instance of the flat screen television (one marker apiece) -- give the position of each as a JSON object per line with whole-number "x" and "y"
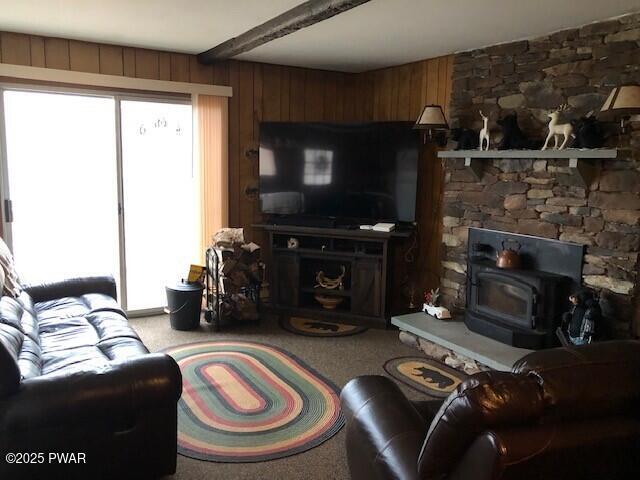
{"x": 364, "y": 172}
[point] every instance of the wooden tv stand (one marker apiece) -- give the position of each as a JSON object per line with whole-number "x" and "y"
{"x": 364, "y": 254}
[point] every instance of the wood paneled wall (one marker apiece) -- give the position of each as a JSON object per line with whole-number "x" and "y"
{"x": 400, "y": 93}
{"x": 275, "y": 93}
{"x": 36, "y": 51}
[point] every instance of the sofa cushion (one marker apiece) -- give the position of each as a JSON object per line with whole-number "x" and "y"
{"x": 84, "y": 333}
{"x": 14, "y": 314}
{"x": 69, "y": 307}
{"x": 19, "y": 313}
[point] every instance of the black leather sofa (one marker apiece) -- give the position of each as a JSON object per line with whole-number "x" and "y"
{"x": 563, "y": 413}
{"x": 76, "y": 379}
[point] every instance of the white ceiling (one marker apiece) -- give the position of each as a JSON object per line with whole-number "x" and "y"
{"x": 188, "y": 26}
{"x": 374, "y": 35}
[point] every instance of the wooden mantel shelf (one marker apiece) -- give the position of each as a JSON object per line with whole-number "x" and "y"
{"x": 581, "y": 161}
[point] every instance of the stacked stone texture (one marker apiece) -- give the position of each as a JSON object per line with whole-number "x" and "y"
{"x": 578, "y": 67}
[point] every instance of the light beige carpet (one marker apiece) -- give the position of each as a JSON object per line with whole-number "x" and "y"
{"x": 338, "y": 358}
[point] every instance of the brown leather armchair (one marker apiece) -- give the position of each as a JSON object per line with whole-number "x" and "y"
{"x": 563, "y": 413}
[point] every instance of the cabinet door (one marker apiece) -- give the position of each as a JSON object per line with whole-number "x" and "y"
{"x": 366, "y": 287}
{"x": 286, "y": 281}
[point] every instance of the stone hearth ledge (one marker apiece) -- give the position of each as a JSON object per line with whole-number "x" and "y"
{"x": 455, "y": 336}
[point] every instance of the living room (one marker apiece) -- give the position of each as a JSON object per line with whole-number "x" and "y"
{"x": 328, "y": 239}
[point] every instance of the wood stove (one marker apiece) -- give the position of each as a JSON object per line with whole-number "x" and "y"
{"x": 520, "y": 307}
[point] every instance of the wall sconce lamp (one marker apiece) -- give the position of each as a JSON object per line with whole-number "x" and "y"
{"x": 432, "y": 120}
{"x": 623, "y": 102}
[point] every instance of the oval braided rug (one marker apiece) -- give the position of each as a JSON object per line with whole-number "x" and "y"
{"x": 425, "y": 375}
{"x": 251, "y": 402}
{"x": 318, "y": 328}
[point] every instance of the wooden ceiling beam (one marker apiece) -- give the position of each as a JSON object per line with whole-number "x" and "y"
{"x": 304, "y": 15}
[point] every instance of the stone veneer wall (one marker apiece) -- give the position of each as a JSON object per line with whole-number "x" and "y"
{"x": 541, "y": 197}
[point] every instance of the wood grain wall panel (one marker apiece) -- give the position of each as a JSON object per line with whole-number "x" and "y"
{"x": 432, "y": 81}
{"x": 377, "y": 80}
{"x": 245, "y": 141}
{"x": 56, "y": 52}
{"x": 221, "y": 73}
{"x": 340, "y": 90}
{"x": 271, "y": 102}
{"x": 329, "y": 100}
{"x": 37, "y": 51}
{"x": 147, "y": 64}
{"x": 314, "y": 96}
{"x": 297, "y": 97}
{"x": 349, "y": 100}
{"x": 164, "y": 66}
{"x": 179, "y": 67}
{"x": 365, "y": 98}
{"x": 424, "y": 76}
{"x": 128, "y": 62}
{"x": 199, "y": 73}
{"x": 384, "y": 89}
{"x": 395, "y": 90}
{"x": 403, "y": 109}
{"x": 285, "y": 93}
{"x": 415, "y": 89}
{"x": 111, "y": 60}
{"x": 84, "y": 57}
{"x": 16, "y": 48}
{"x": 258, "y": 87}
{"x": 253, "y": 159}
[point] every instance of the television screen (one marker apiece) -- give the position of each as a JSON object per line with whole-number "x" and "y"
{"x": 363, "y": 171}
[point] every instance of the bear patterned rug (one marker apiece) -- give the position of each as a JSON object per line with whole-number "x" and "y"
{"x": 251, "y": 402}
{"x": 318, "y": 328}
{"x": 425, "y": 375}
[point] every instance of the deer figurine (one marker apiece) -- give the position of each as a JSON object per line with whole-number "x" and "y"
{"x": 484, "y": 133}
{"x": 555, "y": 129}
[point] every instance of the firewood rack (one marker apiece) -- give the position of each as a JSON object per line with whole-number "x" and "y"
{"x": 215, "y": 297}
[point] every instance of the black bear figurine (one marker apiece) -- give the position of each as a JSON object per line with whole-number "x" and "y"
{"x": 512, "y": 137}
{"x": 589, "y": 133}
{"x": 467, "y": 139}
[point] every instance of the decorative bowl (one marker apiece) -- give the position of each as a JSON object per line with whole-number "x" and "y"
{"x": 327, "y": 301}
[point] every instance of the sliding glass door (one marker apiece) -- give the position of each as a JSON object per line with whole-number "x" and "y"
{"x": 61, "y": 169}
{"x": 159, "y": 186}
{"x": 100, "y": 184}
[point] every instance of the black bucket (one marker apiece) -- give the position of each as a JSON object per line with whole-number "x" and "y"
{"x": 184, "y": 302}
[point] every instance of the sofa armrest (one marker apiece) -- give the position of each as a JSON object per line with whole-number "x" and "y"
{"x": 73, "y": 287}
{"x": 119, "y": 390}
{"x": 384, "y": 430}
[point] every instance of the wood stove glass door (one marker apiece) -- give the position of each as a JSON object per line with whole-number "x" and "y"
{"x": 505, "y": 298}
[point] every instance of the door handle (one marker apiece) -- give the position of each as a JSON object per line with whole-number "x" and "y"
{"x": 8, "y": 210}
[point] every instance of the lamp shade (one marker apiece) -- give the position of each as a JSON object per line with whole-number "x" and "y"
{"x": 622, "y": 101}
{"x": 432, "y": 117}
